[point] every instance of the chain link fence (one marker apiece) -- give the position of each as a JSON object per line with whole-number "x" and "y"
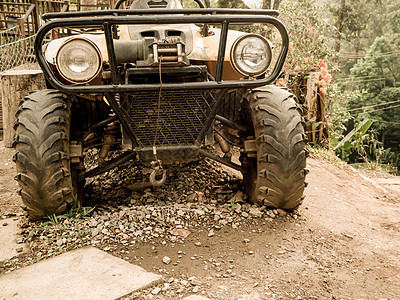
{"x": 15, "y": 51}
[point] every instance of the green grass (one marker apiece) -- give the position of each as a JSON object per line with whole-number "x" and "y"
{"x": 75, "y": 214}
{"x": 320, "y": 152}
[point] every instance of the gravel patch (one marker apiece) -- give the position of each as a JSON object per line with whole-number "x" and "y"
{"x": 198, "y": 195}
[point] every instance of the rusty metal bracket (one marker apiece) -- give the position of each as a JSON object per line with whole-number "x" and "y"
{"x": 250, "y": 147}
{"x": 75, "y": 152}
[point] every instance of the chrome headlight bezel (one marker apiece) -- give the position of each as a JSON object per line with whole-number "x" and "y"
{"x": 91, "y": 56}
{"x": 239, "y": 63}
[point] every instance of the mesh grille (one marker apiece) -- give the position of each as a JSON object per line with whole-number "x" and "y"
{"x": 182, "y": 115}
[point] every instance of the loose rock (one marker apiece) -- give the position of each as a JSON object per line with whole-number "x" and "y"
{"x": 166, "y": 260}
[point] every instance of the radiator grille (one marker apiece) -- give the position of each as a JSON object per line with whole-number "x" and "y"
{"x": 182, "y": 115}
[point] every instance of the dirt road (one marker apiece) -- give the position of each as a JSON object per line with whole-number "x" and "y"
{"x": 344, "y": 243}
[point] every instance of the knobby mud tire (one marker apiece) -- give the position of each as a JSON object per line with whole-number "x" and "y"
{"x": 275, "y": 178}
{"x": 42, "y": 153}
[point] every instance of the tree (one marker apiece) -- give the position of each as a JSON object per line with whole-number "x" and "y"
{"x": 339, "y": 25}
{"x": 309, "y": 34}
{"x": 271, "y": 4}
{"x": 378, "y": 77}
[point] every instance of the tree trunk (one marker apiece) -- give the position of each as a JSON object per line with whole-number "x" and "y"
{"x": 339, "y": 25}
{"x": 271, "y": 4}
{"x": 15, "y": 84}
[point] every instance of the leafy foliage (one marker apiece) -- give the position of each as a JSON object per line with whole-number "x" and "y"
{"x": 309, "y": 35}
{"x": 371, "y": 27}
{"x": 378, "y": 76}
{"x": 337, "y": 115}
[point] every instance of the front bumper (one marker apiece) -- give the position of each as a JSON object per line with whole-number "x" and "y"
{"x": 107, "y": 19}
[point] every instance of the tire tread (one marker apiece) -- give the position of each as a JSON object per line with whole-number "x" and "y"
{"x": 42, "y": 149}
{"x": 281, "y": 154}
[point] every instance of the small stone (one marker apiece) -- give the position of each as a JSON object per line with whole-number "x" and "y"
{"x": 95, "y": 231}
{"x": 20, "y": 249}
{"x": 156, "y": 291}
{"x": 171, "y": 280}
{"x": 198, "y": 244}
{"x": 251, "y": 252}
{"x": 195, "y": 289}
{"x": 180, "y": 232}
{"x": 281, "y": 212}
{"x": 211, "y": 233}
{"x": 166, "y": 260}
{"x": 255, "y": 211}
{"x": 193, "y": 280}
{"x": 5, "y": 224}
{"x": 184, "y": 282}
{"x": 191, "y": 197}
{"x": 270, "y": 214}
{"x": 245, "y": 214}
{"x": 93, "y": 223}
{"x": 199, "y": 212}
{"x": 9, "y": 214}
{"x": 237, "y": 198}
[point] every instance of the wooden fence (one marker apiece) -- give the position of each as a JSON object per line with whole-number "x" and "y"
{"x": 21, "y": 19}
{"x": 25, "y": 15}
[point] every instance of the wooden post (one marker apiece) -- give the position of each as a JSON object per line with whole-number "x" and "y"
{"x": 15, "y": 84}
{"x": 88, "y": 5}
{"x": 21, "y": 27}
{"x": 2, "y": 16}
{"x": 311, "y": 102}
{"x": 1, "y": 117}
{"x": 36, "y": 16}
{"x": 111, "y": 4}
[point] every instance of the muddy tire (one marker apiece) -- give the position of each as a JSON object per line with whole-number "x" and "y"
{"x": 42, "y": 153}
{"x": 275, "y": 177}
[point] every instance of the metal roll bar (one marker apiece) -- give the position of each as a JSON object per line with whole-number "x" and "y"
{"x": 169, "y": 16}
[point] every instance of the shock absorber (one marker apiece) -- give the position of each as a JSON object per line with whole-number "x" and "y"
{"x": 109, "y": 138}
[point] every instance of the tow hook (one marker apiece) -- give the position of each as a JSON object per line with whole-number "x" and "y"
{"x": 157, "y": 171}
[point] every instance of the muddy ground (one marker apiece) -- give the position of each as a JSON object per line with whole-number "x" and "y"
{"x": 343, "y": 243}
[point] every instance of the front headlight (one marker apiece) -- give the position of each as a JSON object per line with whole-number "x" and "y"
{"x": 251, "y": 55}
{"x": 78, "y": 60}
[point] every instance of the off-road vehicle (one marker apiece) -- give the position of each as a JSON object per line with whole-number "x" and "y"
{"x": 160, "y": 83}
